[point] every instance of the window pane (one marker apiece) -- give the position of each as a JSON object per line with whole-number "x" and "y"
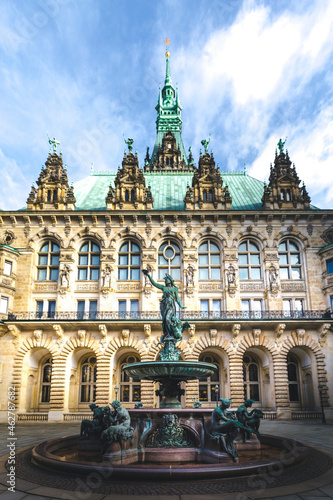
{"x": 298, "y": 305}
{"x": 55, "y": 260}
{"x": 84, "y": 248}
{"x": 245, "y": 305}
{"x": 215, "y": 260}
{"x": 283, "y": 247}
{"x": 255, "y": 259}
{"x": 46, "y": 390}
{"x": 45, "y": 248}
{"x": 175, "y": 273}
{"x": 93, "y": 306}
{"x": 124, "y": 248}
{"x": 169, "y": 253}
{"x": 214, "y": 248}
{"x": 287, "y": 305}
{"x": 257, "y": 305}
{"x": 54, "y": 273}
{"x": 253, "y": 373}
{"x": 94, "y": 274}
{"x": 4, "y": 305}
{"x": 83, "y": 260}
{"x": 162, "y": 247}
{"x": 55, "y": 247}
{"x": 95, "y": 248}
{"x": 135, "y": 274}
{"x": 161, "y": 273}
{"x": 296, "y": 273}
{"x": 203, "y": 247}
{"x": 242, "y": 247}
{"x": 293, "y": 247}
{"x": 292, "y": 372}
{"x": 203, "y": 393}
{"x": 215, "y": 273}
{"x": 80, "y": 306}
{"x": 176, "y": 260}
{"x": 136, "y": 393}
{"x": 176, "y": 247}
{"x": 284, "y": 273}
{"x": 95, "y": 260}
{"x": 294, "y": 259}
{"x": 135, "y": 260}
{"x": 330, "y": 266}
{"x": 124, "y": 393}
{"x": 162, "y": 260}
{"x": 41, "y": 274}
{"x": 217, "y": 307}
{"x": 8, "y": 268}
{"x": 122, "y": 305}
{"x": 204, "y": 306}
{"x": 243, "y": 273}
{"x": 42, "y": 261}
{"x": 293, "y": 392}
{"x": 254, "y": 392}
{"x": 123, "y": 260}
{"x": 242, "y": 259}
{"x": 134, "y": 305}
{"x": 203, "y": 273}
{"x": 203, "y": 260}
{"x": 85, "y": 389}
{"x": 135, "y": 248}
{"x": 283, "y": 258}
{"x": 255, "y": 273}
{"x": 123, "y": 274}
{"x": 253, "y": 247}
{"x": 82, "y": 274}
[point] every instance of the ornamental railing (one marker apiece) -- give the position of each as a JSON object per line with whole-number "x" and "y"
{"x": 154, "y": 315}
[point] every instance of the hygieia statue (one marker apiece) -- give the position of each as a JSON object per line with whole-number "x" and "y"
{"x": 172, "y": 327}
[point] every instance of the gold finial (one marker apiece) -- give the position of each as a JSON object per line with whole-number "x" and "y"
{"x": 167, "y": 41}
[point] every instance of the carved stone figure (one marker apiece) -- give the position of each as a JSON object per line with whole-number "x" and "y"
{"x": 231, "y": 275}
{"x": 190, "y": 275}
{"x": 225, "y": 428}
{"x": 249, "y": 418}
{"x": 106, "y": 277}
{"x": 64, "y": 276}
{"x": 273, "y": 277}
{"x": 120, "y": 428}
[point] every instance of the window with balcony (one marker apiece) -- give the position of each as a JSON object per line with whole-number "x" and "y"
{"x": 290, "y": 261}
{"x": 249, "y": 260}
{"x": 210, "y": 308}
{"x": 128, "y": 308}
{"x": 252, "y": 308}
{"x": 169, "y": 260}
{"x": 48, "y": 262}
{"x": 129, "y": 260}
{"x": 209, "y": 261}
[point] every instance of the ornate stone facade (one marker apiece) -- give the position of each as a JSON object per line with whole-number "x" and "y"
{"x": 256, "y": 282}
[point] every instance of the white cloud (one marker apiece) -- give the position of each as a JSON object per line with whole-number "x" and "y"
{"x": 15, "y": 186}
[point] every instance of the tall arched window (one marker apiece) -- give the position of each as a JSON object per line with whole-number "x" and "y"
{"x": 249, "y": 261}
{"x": 48, "y": 261}
{"x": 130, "y": 388}
{"x": 251, "y": 378}
{"x": 89, "y": 261}
{"x": 169, "y": 260}
{"x": 290, "y": 261}
{"x": 129, "y": 261}
{"x": 293, "y": 379}
{"x": 88, "y": 379}
{"x": 207, "y": 391}
{"x": 46, "y": 375}
{"x": 209, "y": 261}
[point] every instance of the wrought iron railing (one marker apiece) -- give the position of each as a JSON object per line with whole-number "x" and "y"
{"x": 155, "y": 315}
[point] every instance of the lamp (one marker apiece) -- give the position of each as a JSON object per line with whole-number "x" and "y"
{"x": 217, "y": 394}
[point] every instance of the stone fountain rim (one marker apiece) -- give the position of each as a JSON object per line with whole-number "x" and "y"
{"x": 172, "y": 364}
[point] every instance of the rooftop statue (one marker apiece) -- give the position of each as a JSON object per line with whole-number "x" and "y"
{"x": 172, "y": 327}
{"x": 129, "y": 143}
{"x": 281, "y": 144}
{"x": 54, "y": 143}
{"x": 205, "y": 143}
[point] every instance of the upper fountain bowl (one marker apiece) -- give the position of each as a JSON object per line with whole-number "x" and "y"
{"x": 178, "y": 371}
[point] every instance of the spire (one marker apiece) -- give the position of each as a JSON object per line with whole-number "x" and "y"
{"x": 168, "y": 81}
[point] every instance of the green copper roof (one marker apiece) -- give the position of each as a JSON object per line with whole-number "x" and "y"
{"x": 169, "y": 189}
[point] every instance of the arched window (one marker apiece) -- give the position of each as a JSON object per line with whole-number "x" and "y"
{"x": 251, "y": 378}
{"x": 293, "y": 379}
{"x": 89, "y": 261}
{"x": 209, "y": 261}
{"x": 207, "y": 391}
{"x": 88, "y": 380}
{"x": 46, "y": 375}
{"x": 126, "y": 195}
{"x": 169, "y": 260}
{"x": 290, "y": 261}
{"x": 210, "y": 195}
{"x": 133, "y": 195}
{"x": 48, "y": 261}
{"x": 249, "y": 261}
{"x": 204, "y": 195}
{"x": 130, "y": 388}
{"x": 129, "y": 261}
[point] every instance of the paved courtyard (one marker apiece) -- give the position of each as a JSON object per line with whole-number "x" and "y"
{"x": 314, "y": 434}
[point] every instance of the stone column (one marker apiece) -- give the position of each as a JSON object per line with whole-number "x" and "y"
{"x": 236, "y": 379}
{"x": 281, "y": 387}
{"x": 103, "y": 380}
{"x": 59, "y": 395}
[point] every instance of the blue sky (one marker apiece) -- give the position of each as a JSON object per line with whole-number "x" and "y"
{"x": 88, "y": 71}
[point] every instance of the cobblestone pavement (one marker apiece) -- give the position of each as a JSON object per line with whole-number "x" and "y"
{"x": 314, "y": 434}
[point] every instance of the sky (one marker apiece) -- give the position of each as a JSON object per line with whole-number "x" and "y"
{"x": 87, "y": 72}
